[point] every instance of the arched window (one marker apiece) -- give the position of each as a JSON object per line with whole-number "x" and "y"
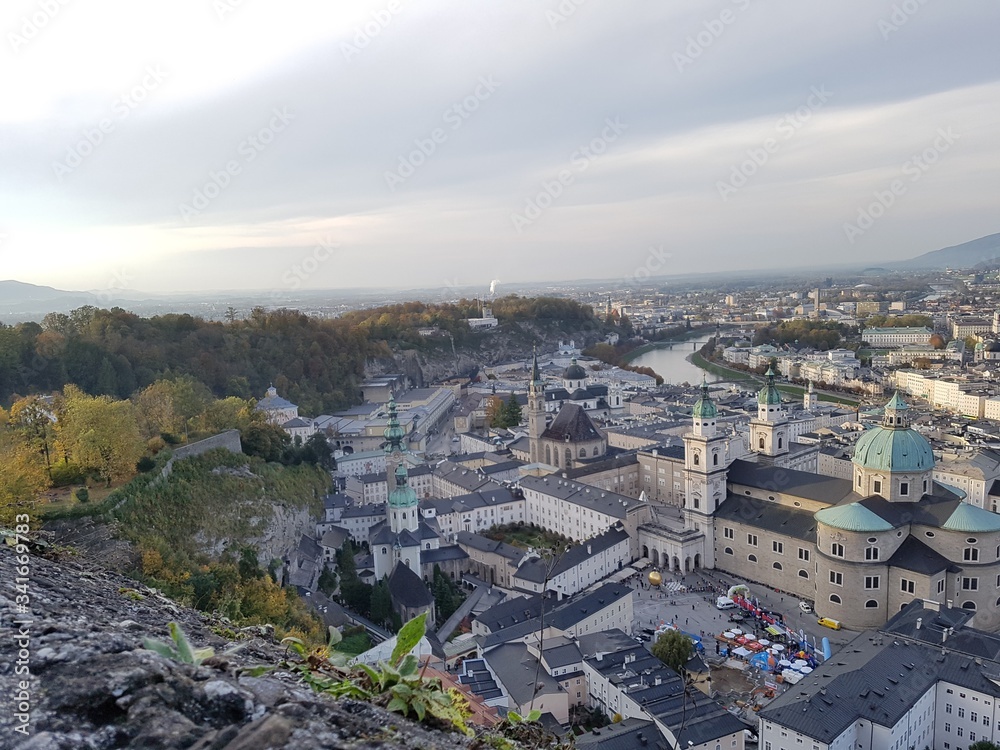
{"x": 729, "y": 551}
{"x": 834, "y": 599}
{"x": 385, "y": 550}
{"x": 969, "y": 605}
{"x": 752, "y": 558}
{"x": 715, "y": 459}
{"x": 777, "y": 566}
{"x": 569, "y": 457}
{"x": 428, "y": 546}
{"x": 697, "y": 459}
{"x": 761, "y": 443}
{"x": 548, "y": 455}
{"x": 697, "y": 502}
{"x": 779, "y": 443}
{"x": 871, "y": 604}
{"x": 803, "y": 574}
{"x": 595, "y": 450}
{"x": 583, "y": 453}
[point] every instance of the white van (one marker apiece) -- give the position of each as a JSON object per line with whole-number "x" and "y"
{"x": 724, "y": 602}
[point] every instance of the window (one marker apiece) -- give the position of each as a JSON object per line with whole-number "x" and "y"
{"x": 925, "y": 485}
{"x": 837, "y": 549}
{"x": 907, "y": 587}
{"x": 804, "y": 554}
{"x": 835, "y": 599}
{"x": 385, "y": 551}
{"x": 947, "y": 708}
{"x": 779, "y": 443}
{"x": 940, "y": 586}
{"x": 904, "y": 488}
{"x": 752, "y": 540}
{"x": 776, "y": 566}
{"x": 871, "y": 553}
{"x": 778, "y": 547}
{"x": 872, "y": 582}
{"x": 697, "y": 502}
{"x": 728, "y": 533}
{"x": 837, "y": 579}
{"x": 947, "y": 727}
{"x": 803, "y": 574}
{"x": 871, "y": 604}
{"x": 859, "y": 480}
{"x": 760, "y": 444}
{"x": 728, "y": 550}
{"x": 970, "y": 584}
{"x": 877, "y": 486}
{"x": 697, "y": 459}
{"x": 973, "y": 717}
{"x": 970, "y": 554}
{"x": 715, "y": 459}
{"x": 752, "y": 558}
{"x": 961, "y": 712}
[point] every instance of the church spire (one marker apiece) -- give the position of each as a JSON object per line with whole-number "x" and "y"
{"x": 394, "y": 433}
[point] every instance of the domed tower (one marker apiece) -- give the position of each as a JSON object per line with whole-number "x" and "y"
{"x": 536, "y": 411}
{"x": 893, "y": 461}
{"x": 574, "y": 376}
{"x": 704, "y": 472}
{"x": 769, "y": 431}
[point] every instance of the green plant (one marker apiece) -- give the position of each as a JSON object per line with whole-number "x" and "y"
{"x": 515, "y": 718}
{"x": 83, "y": 495}
{"x": 131, "y": 594}
{"x": 181, "y": 650}
{"x": 399, "y": 685}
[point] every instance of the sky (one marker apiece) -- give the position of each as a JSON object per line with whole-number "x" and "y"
{"x": 205, "y": 145}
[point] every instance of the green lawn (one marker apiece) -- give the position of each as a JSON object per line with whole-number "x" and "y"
{"x": 525, "y": 537}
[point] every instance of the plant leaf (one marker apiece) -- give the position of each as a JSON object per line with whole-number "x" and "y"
{"x": 419, "y": 708}
{"x": 257, "y": 671}
{"x": 408, "y": 667}
{"x": 159, "y": 647}
{"x": 184, "y": 651}
{"x": 399, "y": 706}
{"x": 335, "y": 637}
{"x": 409, "y": 637}
{"x": 371, "y": 674}
{"x": 534, "y": 715}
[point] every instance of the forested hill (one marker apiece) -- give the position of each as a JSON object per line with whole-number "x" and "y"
{"x": 316, "y": 363}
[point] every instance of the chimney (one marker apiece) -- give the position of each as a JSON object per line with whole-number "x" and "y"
{"x": 919, "y": 622}
{"x": 588, "y": 548}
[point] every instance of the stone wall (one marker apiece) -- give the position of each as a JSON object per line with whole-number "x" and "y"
{"x": 230, "y": 440}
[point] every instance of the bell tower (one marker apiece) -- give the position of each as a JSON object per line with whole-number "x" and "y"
{"x": 704, "y": 472}
{"x": 769, "y": 431}
{"x": 536, "y": 411}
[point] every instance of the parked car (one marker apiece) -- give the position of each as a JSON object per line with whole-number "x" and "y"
{"x": 805, "y": 607}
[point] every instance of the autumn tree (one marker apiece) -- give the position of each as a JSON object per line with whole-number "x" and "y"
{"x": 22, "y": 474}
{"x": 673, "y": 648}
{"x": 155, "y": 409}
{"x": 495, "y": 412}
{"x": 35, "y": 422}
{"x": 101, "y": 434}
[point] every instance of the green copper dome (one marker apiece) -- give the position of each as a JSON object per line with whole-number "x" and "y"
{"x": 704, "y": 407}
{"x": 971, "y": 520}
{"x": 403, "y": 495}
{"x": 894, "y": 446}
{"x": 852, "y": 517}
{"x": 769, "y": 394}
{"x": 574, "y": 372}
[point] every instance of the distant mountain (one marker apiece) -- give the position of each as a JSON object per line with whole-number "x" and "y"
{"x": 984, "y": 251}
{"x": 18, "y": 297}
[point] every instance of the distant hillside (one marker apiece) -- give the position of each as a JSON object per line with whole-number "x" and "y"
{"x": 17, "y": 297}
{"x": 983, "y": 251}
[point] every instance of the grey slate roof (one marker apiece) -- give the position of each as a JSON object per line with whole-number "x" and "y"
{"x": 915, "y": 556}
{"x": 799, "y": 483}
{"x": 572, "y": 424}
{"x": 562, "y": 655}
{"x": 515, "y": 668}
{"x": 534, "y": 570}
{"x": 442, "y": 554}
{"x": 592, "y": 498}
{"x": 626, "y": 735}
{"x": 485, "y": 544}
{"x": 407, "y": 589}
{"x": 364, "y": 511}
{"x": 761, "y": 514}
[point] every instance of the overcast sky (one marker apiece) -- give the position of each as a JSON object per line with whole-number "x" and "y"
{"x": 258, "y": 144}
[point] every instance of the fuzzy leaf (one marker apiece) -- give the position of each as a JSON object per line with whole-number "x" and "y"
{"x": 159, "y": 647}
{"x": 184, "y": 652}
{"x": 514, "y": 717}
{"x": 409, "y": 637}
{"x": 419, "y": 708}
{"x": 399, "y": 706}
{"x": 534, "y": 715}
{"x": 371, "y": 674}
{"x": 408, "y": 667}
{"x": 296, "y": 645}
{"x": 334, "y": 638}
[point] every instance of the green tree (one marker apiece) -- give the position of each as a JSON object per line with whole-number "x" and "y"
{"x": 512, "y": 412}
{"x": 381, "y": 603}
{"x": 495, "y": 416}
{"x": 327, "y": 581}
{"x": 984, "y": 745}
{"x": 22, "y": 474}
{"x": 673, "y": 648}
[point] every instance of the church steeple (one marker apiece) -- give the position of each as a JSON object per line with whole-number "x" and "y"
{"x": 536, "y": 410}
{"x": 704, "y": 413}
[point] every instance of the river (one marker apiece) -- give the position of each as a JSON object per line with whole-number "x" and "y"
{"x": 671, "y": 363}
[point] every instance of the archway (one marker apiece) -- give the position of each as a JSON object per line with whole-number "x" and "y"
{"x": 697, "y": 561}
{"x": 645, "y": 551}
{"x": 687, "y": 564}
{"x": 676, "y": 564}
{"x": 656, "y": 558}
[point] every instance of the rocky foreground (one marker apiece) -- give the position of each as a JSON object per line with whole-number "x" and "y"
{"x": 92, "y": 685}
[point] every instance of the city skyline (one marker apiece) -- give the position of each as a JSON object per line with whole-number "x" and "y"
{"x": 219, "y": 145}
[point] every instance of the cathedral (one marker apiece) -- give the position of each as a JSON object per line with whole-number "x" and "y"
{"x": 572, "y": 435}
{"x": 860, "y": 548}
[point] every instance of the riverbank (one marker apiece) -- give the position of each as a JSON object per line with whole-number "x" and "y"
{"x": 742, "y": 376}
{"x": 686, "y": 336}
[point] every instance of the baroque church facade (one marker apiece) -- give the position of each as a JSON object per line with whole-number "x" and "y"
{"x": 860, "y": 548}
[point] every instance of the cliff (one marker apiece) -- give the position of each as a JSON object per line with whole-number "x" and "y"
{"x": 92, "y": 685}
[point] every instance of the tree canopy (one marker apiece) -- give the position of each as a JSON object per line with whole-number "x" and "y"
{"x": 673, "y": 648}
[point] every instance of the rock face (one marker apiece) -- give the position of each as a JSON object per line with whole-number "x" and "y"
{"x": 92, "y": 685}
